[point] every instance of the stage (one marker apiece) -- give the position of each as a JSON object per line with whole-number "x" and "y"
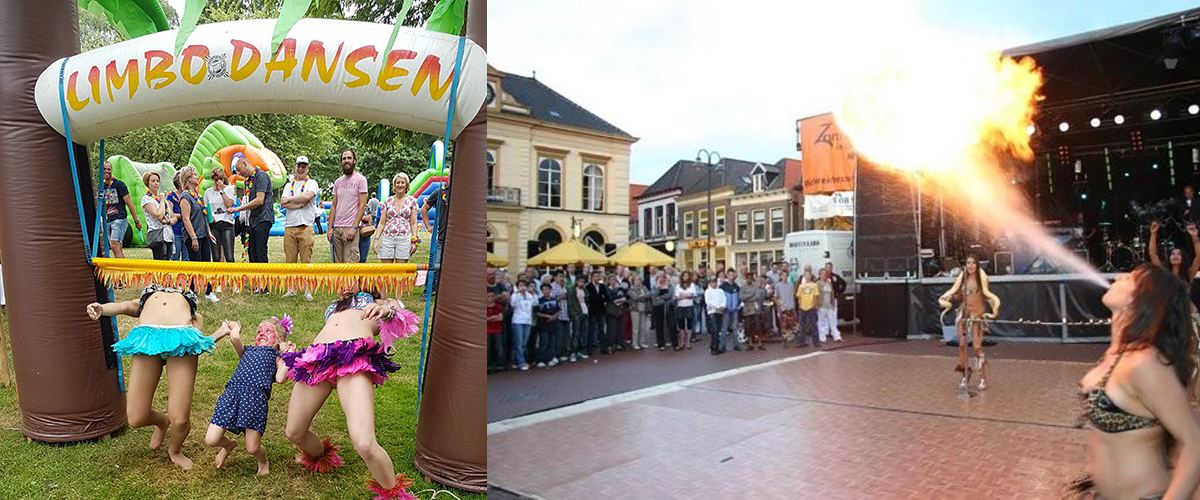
{"x": 831, "y": 424}
{"x": 908, "y": 308}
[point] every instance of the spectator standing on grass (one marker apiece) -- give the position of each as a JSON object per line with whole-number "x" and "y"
{"x": 260, "y": 206}
{"x": 178, "y": 252}
{"x": 219, "y": 199}
{"x": 158, "y": 216}
{"x": 116, "y": 200}
{"x": 346, "y": 212}
{"x": 197, "y": 239}
{"x": 300, "y": 199}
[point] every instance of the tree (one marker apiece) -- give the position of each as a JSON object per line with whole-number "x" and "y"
{"x": 382, "y": 150}
{"x": 96, "y": 32}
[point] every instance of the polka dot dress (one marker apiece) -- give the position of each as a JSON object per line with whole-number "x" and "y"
{"x": 244, "y": 403}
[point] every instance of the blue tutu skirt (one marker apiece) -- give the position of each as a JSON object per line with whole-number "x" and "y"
{"x": 165, "y": 341}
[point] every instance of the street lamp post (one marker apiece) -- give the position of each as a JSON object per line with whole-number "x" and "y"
{"x": 707, "y": 157}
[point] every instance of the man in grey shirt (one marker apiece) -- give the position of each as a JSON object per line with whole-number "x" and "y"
{"x": 373, "y": 205}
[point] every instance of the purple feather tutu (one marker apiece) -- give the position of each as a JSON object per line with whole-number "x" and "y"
{"x": 326, "y": 362}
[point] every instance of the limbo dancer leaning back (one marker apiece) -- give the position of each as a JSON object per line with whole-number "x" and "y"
{"x": 971, "y": 288}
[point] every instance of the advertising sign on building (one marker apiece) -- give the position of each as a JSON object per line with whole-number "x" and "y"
{"x": 828, "y": 157}
{"x": 824, "y": 206}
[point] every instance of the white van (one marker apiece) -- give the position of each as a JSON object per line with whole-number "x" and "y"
{"x": 815, "y": 248}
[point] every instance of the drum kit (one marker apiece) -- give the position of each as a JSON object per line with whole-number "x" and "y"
{"x": 1122, "y": 255}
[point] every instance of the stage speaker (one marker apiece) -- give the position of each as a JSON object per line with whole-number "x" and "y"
{"x": 883, "y": 309}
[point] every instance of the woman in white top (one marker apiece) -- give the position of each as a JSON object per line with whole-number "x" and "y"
{"x": 395, "y": 226}
{"x": 158, "y": 213}
{"x": 684, "y": 295}
{"x": 219, "y": 198}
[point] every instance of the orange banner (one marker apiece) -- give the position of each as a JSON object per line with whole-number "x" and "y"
{"x": 828, "y": 159}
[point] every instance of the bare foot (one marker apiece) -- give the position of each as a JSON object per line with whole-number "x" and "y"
{"x": 221, "y": 455}
{"x": 264, "y": 468}
{"x": 183, "y": 462}
{"x": 156, "y": 440}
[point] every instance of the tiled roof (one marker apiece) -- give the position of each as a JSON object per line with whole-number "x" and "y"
{"x": 547, "y": 105}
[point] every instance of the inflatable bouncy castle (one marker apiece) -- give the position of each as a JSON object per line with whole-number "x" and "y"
{"x": 218, "y": 143}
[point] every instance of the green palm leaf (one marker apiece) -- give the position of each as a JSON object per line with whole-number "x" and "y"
{"x": 448, "y": 17}
{"x": 132, "y": 18}
{"x": 291, "y": 13}
{"x": 395, "y": 31}
{"x": 187, "y": 24}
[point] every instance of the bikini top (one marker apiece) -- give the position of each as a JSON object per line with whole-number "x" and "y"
{"x": 153, "y": 288}
{"x": 361, "y": 300}
{"x": 969, "y": 288}
{"x": 1105, "y": 415}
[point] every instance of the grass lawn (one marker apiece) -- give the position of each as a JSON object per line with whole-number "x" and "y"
{"x": 123, "y": 467}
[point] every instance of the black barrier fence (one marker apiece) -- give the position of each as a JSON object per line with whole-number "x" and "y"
{"x": 906, "y": 308}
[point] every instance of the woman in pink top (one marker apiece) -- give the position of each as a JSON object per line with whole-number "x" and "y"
{"x": 394, "y": 228}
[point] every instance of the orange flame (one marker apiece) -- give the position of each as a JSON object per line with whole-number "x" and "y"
{"x": 956, "y": 118}
{"x": 940, "y": 115}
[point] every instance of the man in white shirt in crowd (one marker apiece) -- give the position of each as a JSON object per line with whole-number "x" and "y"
{"x": 299, "y": 198}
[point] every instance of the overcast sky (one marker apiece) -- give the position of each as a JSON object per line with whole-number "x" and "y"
{"x": 734, "y": 76}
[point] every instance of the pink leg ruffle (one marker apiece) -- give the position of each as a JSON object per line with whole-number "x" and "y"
{"x": 324, "y": 463}
{"x": 400, "y": 491}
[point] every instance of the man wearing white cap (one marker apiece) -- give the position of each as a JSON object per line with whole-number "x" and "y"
{"x": 300, "y": 200}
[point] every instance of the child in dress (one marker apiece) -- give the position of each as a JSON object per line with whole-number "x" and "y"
{"x": 243, "y": 405}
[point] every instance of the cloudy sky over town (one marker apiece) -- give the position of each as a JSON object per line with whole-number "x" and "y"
{"x": 735, "y": 76}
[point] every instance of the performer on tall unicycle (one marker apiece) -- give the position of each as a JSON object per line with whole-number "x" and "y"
{"x": 971, "y": 288}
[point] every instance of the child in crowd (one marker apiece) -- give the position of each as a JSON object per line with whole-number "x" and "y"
{"x": 547, "y": 312}
{"x": 243, "y": 405}
{"x": 495, "y": 324}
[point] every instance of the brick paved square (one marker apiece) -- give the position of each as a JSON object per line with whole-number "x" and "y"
{"x": 839, "y": 425}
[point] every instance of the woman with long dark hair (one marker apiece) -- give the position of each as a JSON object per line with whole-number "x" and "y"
{"x": 971, "y": 288}
{"x": 1175, "y": 261}
{"x": 1136, "y": 399}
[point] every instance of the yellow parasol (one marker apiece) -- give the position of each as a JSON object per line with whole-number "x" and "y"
{"x": 496, "y": 260}
{"x": 569, "y": 252}
{"x": 641, "y": 255}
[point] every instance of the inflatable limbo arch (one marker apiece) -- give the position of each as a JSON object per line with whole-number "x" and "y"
{"x": 322, "y": 67}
